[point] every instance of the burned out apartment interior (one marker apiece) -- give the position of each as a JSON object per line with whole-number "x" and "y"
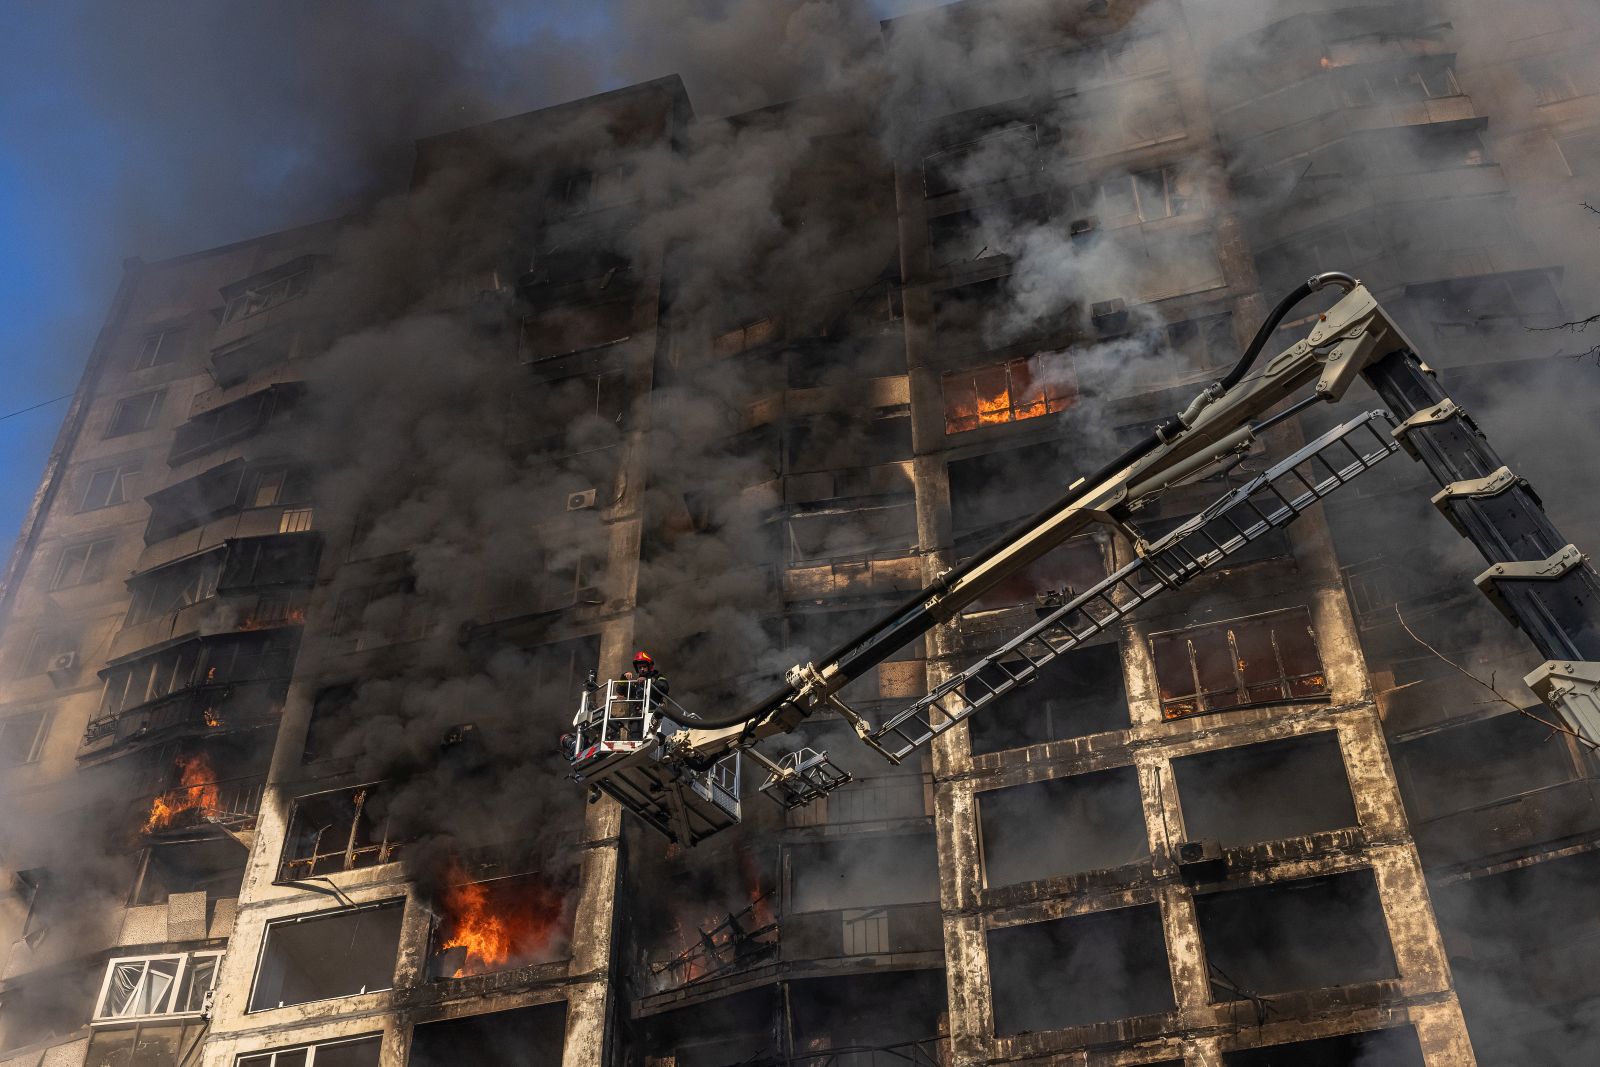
{"x": 1291, "y": 814}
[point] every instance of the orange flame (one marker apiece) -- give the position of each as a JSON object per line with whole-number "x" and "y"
{"x": 502, "y": 924}
{"x": 196, "y": 791}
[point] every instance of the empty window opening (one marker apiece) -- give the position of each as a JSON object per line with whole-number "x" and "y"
{"x": 1041, "y": 384}
{"x": 342, "y": 830}
{"x": 327, "y": 955}
{"x": 863, "y": 871}
{"x": 867, "y": 1020}
{"x": 144, "y": 987}
{"x": 330, "y": 711}
{"x": 745, "y": 1028}
{"x": 522, "y": 1037}
{"x": 1087, "y": 822}
{"x": 1079, "y": 970}
{"x": 134, "y": 414}
{"x": 160, "y": 347}
{"x": 1077, "y": 694}
{"x": 1050, "y": 581}
{"x": 82, "y": 564}
{"x": 352, "y": 1052}
{"x": 498, "y": 924}
{"x": 212, "y": 865}
{"x": 1265, "y": 792}
{"x": 1475, "y": 764}
{"x": 1265, "y": 659}
{"x": 1292, "y": 936}
{"x": 559, "y": 331}
{"x": 210, "y": 785}
{"x": 109, "y": 487}
{"x": 1377, "y": 1048}
{"x": 380, "y": 614}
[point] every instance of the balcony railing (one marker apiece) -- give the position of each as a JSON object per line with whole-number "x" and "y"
{"x": 198, "y": 709}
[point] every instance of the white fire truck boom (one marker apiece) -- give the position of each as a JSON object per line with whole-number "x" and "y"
{"x": 680, "y": 770}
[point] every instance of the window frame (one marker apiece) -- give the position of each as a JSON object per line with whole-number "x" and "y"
{"x": 384, "y": 850}
{"x": 121, "y": 476}
{"x": 1025, "y": 397}
{"x": 167, "y": 342}
{"x": 94, "y": 552}
{"x": 185, "y": 960}
{"x": 314, "y": 916}
{"x": 256, "y": 299}
{"x": 152, "y": 397}
{"x": 269, "y": 1057}
{"x": 41, "y": 730}
{"x": 1195, "y": 703}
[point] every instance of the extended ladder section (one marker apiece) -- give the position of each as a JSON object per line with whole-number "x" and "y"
{"x": 1268, "y": 502}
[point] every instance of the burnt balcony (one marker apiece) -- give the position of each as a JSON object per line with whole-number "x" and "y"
{"x": 231, "y": 422}
{"x": 193, "y": 712}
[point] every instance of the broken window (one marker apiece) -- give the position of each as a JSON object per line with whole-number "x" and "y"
{"x": 998, "y": 156}
{"x": 267, "y": 294}
{"x": 206, "y": 785}
{"x": 1446, "y": 771}
{"x": 862, "y": 871}
{"x": 160, "y": 347}
{"x": 568, "y": 409}
{"x": 1290, "y": 936}
{"x": 335, "y": 831}
{"x": 109, "y": 486}
{"x": 229, "y": 423}
{"x": 559, "y": 331}
{"x": 848, "y": 440}
{"x": 1264, "y": 659}
{"x": 1049, "y": 581}
{"x": 328, "y": 954}
{"x": 211, "y": 661}
{"x": 1388, "y": 1048}
{"x": 989, "y": 490}
{"x": 168, "y": 590}
{"x": 213, "y": 865}
{"x": 144, "y": 987}
{"x": 1018, "y": 389}
{"x": 22, "y": 737}
{"x": 833, "y": 532}
{"x": 1077, "y": 694}
{"x": 143, "y": 1045}
{"x": 744, "y": 338}
{"x": 82, "y": 564}
{"x": 134, "y": 414}
{"x": 329, "y": 708}
{"x": 1085, "y": 822}
{"x": 1079, "y": 970}
{"x": 347, "y": 1052}
{"x": 521, "y": 1037}
{"x": 1266, "y": 791}
{"x": 498, "y": 924}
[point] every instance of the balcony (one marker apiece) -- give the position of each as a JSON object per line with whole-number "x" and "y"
{"x": 197, "y": 711}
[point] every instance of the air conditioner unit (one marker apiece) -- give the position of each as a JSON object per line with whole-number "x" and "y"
{"x": 580, "y": 500}
{"x": 1200, "y": 861}
{"x": 64, "y": 665}
{"x": 1081, "y": 227}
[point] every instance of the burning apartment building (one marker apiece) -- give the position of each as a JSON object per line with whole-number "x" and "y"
{"x": 342, "y": 518}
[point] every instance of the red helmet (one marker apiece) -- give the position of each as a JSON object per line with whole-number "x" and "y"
{"x": 643, "y": 658}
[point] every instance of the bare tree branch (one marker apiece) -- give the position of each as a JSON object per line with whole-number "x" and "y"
{"x": 1499, "y": 696}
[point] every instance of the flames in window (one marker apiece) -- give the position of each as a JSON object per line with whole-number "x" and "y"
{"x": 196, "y": 794}
{"x": 1019, "y": 389}
{"x": 499, "y": 924}
{"x": 1267, "y": 659}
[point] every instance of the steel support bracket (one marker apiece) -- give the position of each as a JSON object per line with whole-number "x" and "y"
{"x": 1473, "y": 489}
{"x": 1571, "y": 689}
{"x": 1537, "y": 570}
{"x": 1440, "y": 412}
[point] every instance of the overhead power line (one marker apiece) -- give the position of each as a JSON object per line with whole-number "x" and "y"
{"x": 36, "y": 407}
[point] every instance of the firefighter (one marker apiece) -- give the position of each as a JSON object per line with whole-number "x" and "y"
{"x": 644, "y": 669}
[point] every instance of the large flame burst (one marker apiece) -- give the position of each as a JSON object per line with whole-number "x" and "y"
{"x": 503, "y": 923}
{"x": 196, "y": 791}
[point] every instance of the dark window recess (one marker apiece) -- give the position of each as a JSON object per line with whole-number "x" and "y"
{"x": 379, "y": 614}
{"x": 967, "y": 316}
{"x": 49, "y": 650}
{"x": 575, "y": 410}
{"x": 161, "y": 347}
{"x": 82, "y": 564}
{"x": 863, "y": 871}
{"x": 1078, "y": 694}
{"x": 230, "y": 487}
{"x": 556, "y": 268}
{"x": 882, "y": 528}
{"x": 1452, "y": 770}
{"x": 333, "y": 954}
{"x": 332, "y": 832}
{"x": 745, "y": 337}
{"x": 209, "y": 661}
{"x": 109, "y": 486}
{"x": 998, "y": 156}
{"x": 990, "y": 490}
{"x": 559, "y": 330}
{"x": 1264, "y": 659}
{"x": 329, "y": 710}
{"x": 992, "y": 230}
{"x": 521, "y": 1037}
{"x": 1087, "y": 822}
{"x": 1079, "y": 970}
{"x": 22, "y": 737}
{"x": 1291, "y": 936}
{"x": 351, "y": 1052}
{"x": 214, "y": 866}
{"x": 236, "y": 362}
{"x": 258, "y": 562}
{"x": 229, "y": 423}
{"x": 1265, "y": 792}
{"x": 847, "y": 439}
{"x": 144, "y": 1045}
{"x": 1487, "y": 302}
{"x": 167, "y": 590}
{"x": 1051, "y": 580}
{"x": 898, "y": 1011}
{"x": 1018, "y": 389}
{"x": 1377, "y": 1048}
{"x": 134, "y": 414}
